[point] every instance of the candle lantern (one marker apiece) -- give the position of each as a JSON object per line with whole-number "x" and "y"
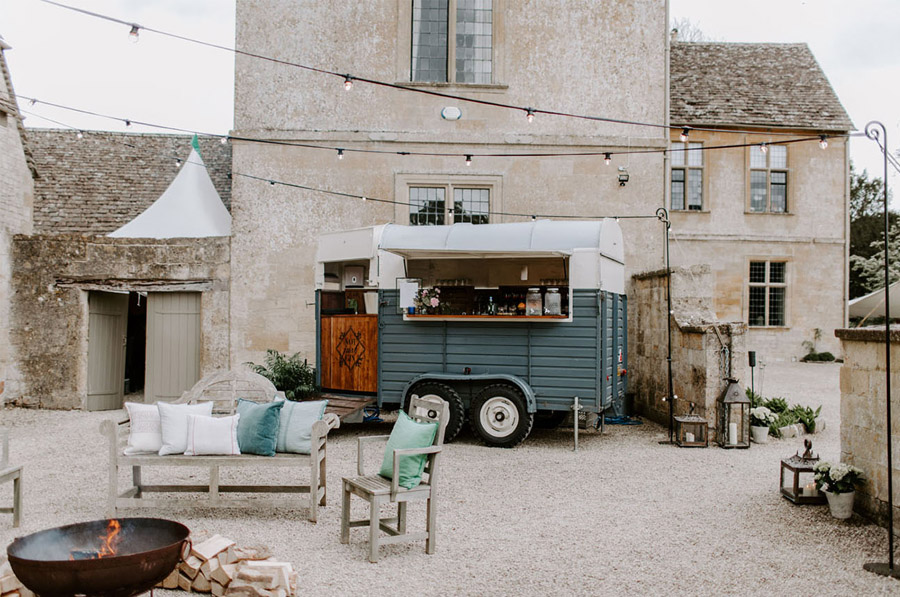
{"x": 734, "y": 417}
{"x": 691, "y": 431}
{"x": 798, "y": 481}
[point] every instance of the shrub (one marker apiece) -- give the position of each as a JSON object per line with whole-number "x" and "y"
{"x": 807, "y": 416}
{"x": 289, "y": 374}
{"x": 776, "y": 405}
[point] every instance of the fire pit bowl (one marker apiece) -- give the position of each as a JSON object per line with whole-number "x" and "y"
{"x": 69, "y": 560}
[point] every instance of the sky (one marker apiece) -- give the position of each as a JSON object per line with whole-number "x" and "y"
{"x": 62, "y": 57}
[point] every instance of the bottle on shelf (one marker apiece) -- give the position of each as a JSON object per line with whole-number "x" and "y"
{"x": 491, "y": 306}
{"x": 533, "y": 303}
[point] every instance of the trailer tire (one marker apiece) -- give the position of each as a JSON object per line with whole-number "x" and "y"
{"x": 425, "y": 389}
{"x": 500, "y": 417}
{"x": 549, "y": 419}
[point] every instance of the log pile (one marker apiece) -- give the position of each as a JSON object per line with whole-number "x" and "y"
{"x": 9, "y": 584}
{"x": 216, "y": 565}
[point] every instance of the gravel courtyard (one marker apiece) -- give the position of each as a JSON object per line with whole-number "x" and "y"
{"x": 623, "y": 515}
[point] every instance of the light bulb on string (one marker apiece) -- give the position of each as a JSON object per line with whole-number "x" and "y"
{"x": 177, "y": 162}
{"x": 684, "y": 135}
{"x": 340, "y": 153}
{"x": 348, "y": 82}
{"x": 223, "y": 140}
{"x": 764, "y": 147}
{"x": 529, "y": 114}
{"x": 468, "y": 160}
{"x": 134, "y": 34}
{"x": 127, "y": 122}
{"x": 272, "y": 182}
{"x": 607, "y": 158}
{"x": 364, "y": 198}
{"x": 79, "y": 135}
{"x": 823, "y": 141}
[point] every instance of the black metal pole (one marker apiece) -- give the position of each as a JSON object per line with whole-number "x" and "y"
{"x": 663, "y": 216}
{"x": 873, "y": 133}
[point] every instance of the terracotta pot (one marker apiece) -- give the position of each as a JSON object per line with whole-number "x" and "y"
{"x": 840, "y": 504}
{"x": 759, "y": 435}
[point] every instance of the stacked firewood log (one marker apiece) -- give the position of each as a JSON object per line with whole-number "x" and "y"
{"x": 216, "y": 565}
{"x": 9, "y": 584}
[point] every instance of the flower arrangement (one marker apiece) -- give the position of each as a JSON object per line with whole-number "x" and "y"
{"x": 428, "y": 300}
{"x": 762, "y": 416}
{"x": 838, "y": 478}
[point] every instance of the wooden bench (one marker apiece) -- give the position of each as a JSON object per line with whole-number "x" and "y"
{"x": 223, "y": 389}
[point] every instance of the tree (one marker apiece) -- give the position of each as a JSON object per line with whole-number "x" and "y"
{"x": 871, "y": 269}
{"x": 867, "y": 233}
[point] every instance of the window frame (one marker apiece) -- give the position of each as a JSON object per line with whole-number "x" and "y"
{"x": 403, "y": 74}
{"x": 404, "y": 182}
{"x": 767, "y": 284}
{"x": 686, "y": 168}
{"x": 768, "y": 170}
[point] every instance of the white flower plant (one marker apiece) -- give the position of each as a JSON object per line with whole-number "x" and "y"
{"x": 761, "y": 416}
{"x": 837, "y": 478}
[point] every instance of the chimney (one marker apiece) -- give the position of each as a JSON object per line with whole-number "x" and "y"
{"x": 673, "y": 35}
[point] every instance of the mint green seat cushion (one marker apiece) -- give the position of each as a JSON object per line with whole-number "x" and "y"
{"x": 407, "y": 434}
{"x": 295, "y": 428}
{"x": 257, "y": 428}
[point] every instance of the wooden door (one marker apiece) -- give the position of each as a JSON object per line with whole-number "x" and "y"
{"x": 107, "y": 327}
{"x": 350, "y": 353}
{"x": 173, "y": 344}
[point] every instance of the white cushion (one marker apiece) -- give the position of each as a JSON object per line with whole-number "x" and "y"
{"x": 173, "y": 418}
{"x": 145, "y": 436}
{"x": 212, "y": 435}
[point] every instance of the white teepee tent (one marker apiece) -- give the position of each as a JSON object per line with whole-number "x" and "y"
{"x": 189, "y": 208}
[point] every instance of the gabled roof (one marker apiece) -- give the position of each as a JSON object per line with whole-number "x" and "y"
{"x": 10, "y": 105}
{"x": 96, "y": 184}
{"x": 752, "y": 85}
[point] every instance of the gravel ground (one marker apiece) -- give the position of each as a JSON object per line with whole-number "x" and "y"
{"x": 623, "y": 515}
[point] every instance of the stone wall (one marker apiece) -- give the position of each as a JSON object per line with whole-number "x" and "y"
{"x": 701, "y": 345}
{"x": 864, "y": 418}
{"x": 16, "y": 196}
{"x": 52, "y": 275}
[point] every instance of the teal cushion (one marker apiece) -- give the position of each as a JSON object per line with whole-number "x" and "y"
{"x": 407, "y": 434}
{"x": 258, "y": 426}
{"x": 295, "y": 428}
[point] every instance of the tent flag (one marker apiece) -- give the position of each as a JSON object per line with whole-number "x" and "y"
{"x": 195, "y": 143}
{"x": 189, "y": 208}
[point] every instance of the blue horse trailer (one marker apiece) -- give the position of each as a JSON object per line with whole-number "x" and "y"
{"x": 507, "y": 322}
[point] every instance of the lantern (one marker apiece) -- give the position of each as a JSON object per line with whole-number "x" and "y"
{"x": 691, "y": 431}
{"x": 798, "y": 478}
{"x": 734, "y": 417}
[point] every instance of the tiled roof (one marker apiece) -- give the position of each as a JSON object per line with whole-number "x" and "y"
{"x": 96, "y": 184}
{"x": 752, "y": 85}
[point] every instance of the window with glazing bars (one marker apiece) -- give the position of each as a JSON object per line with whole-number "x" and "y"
{"x": 428, "y": 206}
{"x": 768, "y": 179}
{"x": 768, "y": 290}
{"x": 464, "y": 42}
{"x": 687, "y": 176}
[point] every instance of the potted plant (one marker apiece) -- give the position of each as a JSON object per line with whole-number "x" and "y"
{"x": 839, "y": 483}
{"x": 428, "y": 301}
{"x": 760, "y": 419}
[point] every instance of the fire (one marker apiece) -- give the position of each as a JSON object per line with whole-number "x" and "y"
{"x": 107, "y": 548}
{"x": 110, "y": 539}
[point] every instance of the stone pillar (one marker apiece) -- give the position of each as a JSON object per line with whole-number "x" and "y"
{"x": 864, "y": 416}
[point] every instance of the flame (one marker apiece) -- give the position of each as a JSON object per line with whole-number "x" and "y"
{"x": 110, "y": 539}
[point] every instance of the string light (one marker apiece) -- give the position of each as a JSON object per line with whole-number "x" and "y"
{"x": 529, "y": 114}
{"x": 127, "y": 122}
{"x": 684, "y": 134}
{"x": 764, "y": 147}
{"x": 223, "y": 140}
{"x": 340, "y": 153}
{"x": 134, "y": 34}
{"x": 468, "y": 160}
{"x": 177, "y": 162}
{"x": 80, "y": 135}
{"x": 823, "y": 141}
{"x": 364, "y": 198}
{"x": 272, "y": 182}
{"x": 607, "y": 158}
{"x": 348, "y": 82}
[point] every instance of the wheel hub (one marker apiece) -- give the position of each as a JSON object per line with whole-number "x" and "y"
{"x": 499, "y": 416}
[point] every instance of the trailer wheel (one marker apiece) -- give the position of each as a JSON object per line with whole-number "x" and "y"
{"x": 549, "y": 419}
{"x": 428, "y": 389}
{"x": 499, "y": 416}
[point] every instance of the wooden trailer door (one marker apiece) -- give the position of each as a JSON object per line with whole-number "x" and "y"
{"x": 107, "y": 324}
{"x": 173, "y": 344}
{"x": 349, "y": 353}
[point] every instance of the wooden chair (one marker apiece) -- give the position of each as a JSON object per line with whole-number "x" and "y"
{"x": 11, "y": 473}
{"x": 377, "y": 490}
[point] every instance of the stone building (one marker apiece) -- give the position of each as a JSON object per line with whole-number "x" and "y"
{"x": 16, "y": 195}
{"x": 85, "y": 306}
{"x": 772, "y": 225}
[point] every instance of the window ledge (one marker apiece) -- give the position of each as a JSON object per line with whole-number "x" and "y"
{"x": 769, "y": 328}
{"x": 689, "y": 211}
{"x": 488, "y": 87}
{"x": 769, "y": 213}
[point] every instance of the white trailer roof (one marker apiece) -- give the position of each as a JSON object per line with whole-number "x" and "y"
{"x": 535, "y": 238}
